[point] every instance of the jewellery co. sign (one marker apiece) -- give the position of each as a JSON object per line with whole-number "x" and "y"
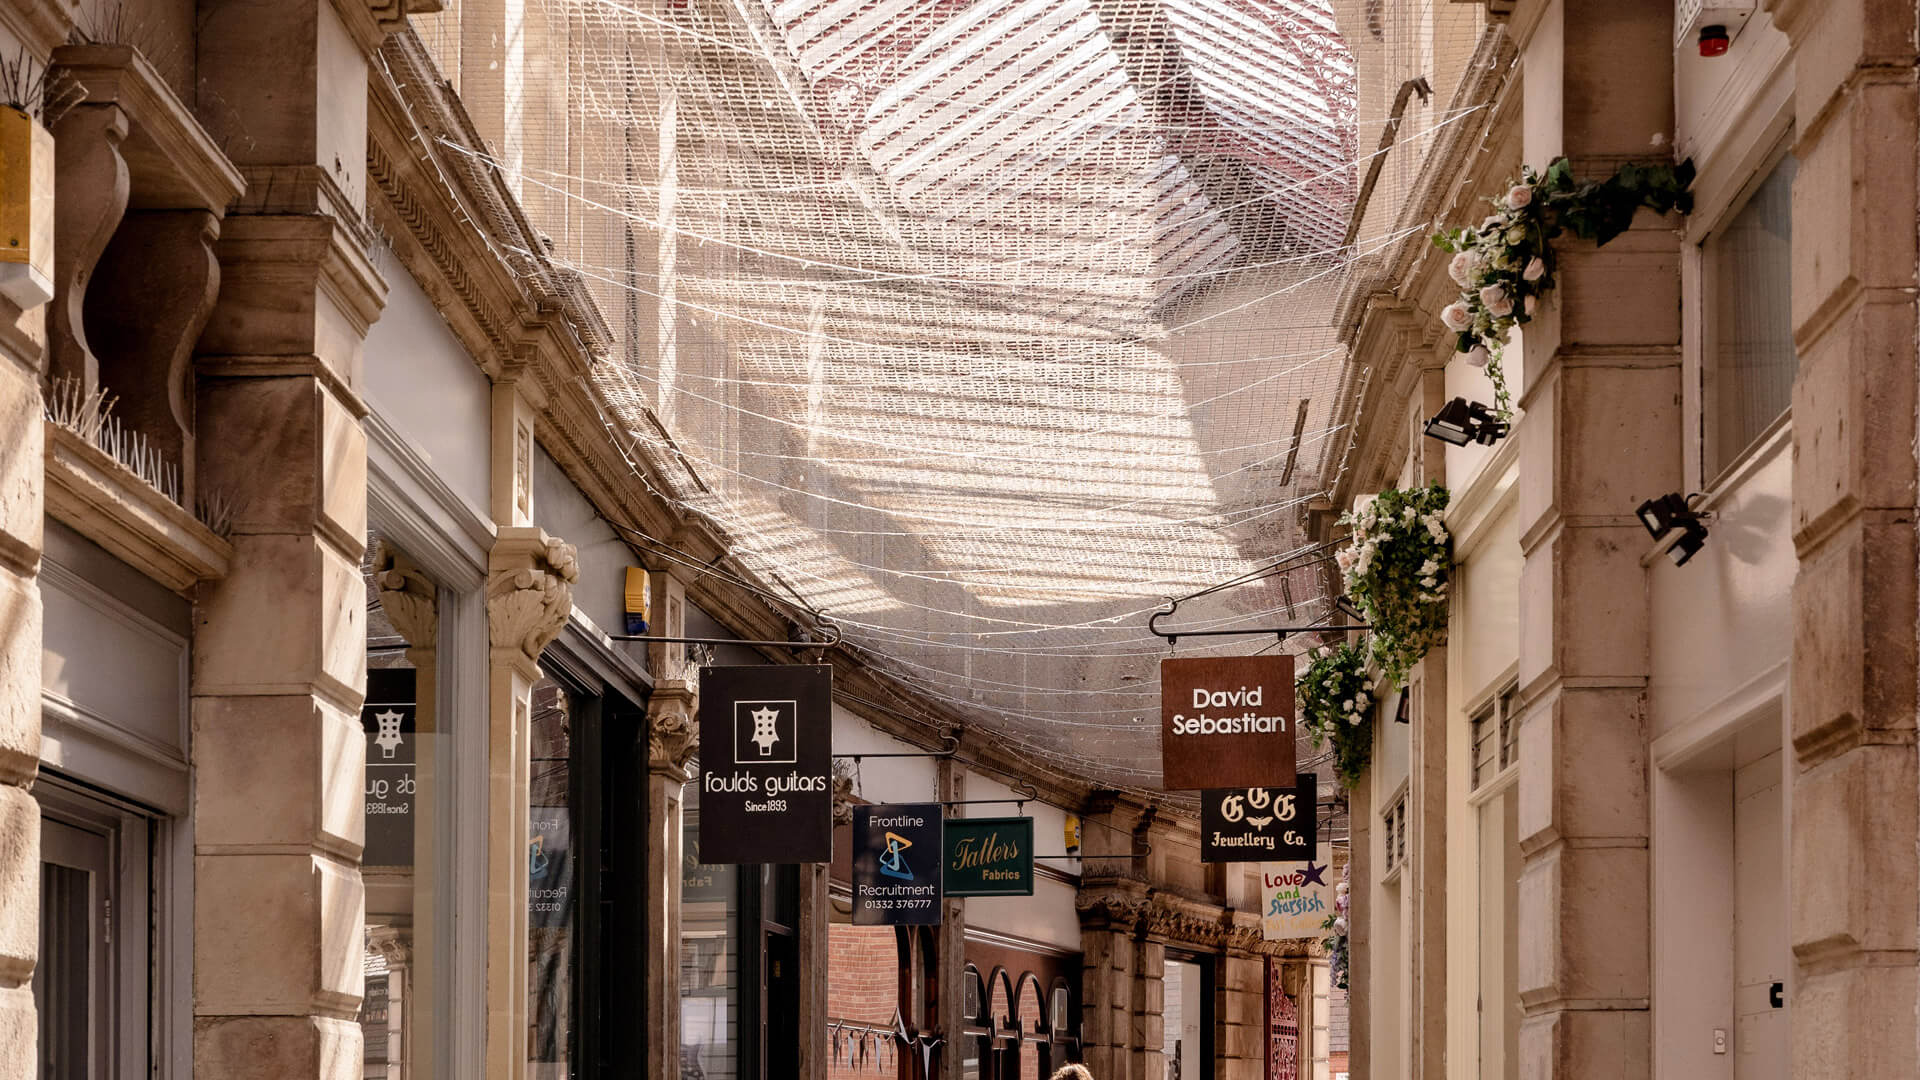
{"x": 896, "y": 864}
{"x": 1226, "y": 721}
{"x": 766, "y": 764}
{"x": 989, "y": 856}
{"x": 1259, "y": 824}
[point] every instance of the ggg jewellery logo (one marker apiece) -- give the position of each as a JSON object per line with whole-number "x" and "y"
{"x": 765, "y": 732}
{"x": 1259, "y": 824}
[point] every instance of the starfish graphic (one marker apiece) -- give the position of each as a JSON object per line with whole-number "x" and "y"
{"x": 1313, "y": 875}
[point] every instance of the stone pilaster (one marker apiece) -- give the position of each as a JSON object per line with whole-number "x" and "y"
{"x": 1145, "y": 1048}
{"x": 672, "y": 739}
{"x": 530, "y": 579}
{"x": 23, "y": 341}
{"x": 1426, "y": 872}
{"x": 1240, "y": 1016}
{"x": 280, "y": 644}
{"x": 1602, "y": 432}
{"x": 1111, "y": 911}
{"x": 1853, "y": 794}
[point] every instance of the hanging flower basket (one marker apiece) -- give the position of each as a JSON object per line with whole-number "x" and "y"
{"x": 1506, "y": 264}
{"x": 1396, "y": 570}
{"x": 1336, "y": 705}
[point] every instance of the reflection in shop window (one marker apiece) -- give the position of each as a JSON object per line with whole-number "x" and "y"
{"x": 403, "y": 864}
{"x": 551, "y": 922}
{"x": 709, "y": 955}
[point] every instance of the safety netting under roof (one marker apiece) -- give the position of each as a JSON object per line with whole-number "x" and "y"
{"x": 982, "y": 326}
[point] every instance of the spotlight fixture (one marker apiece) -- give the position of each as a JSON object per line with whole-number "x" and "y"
{"x": 1460, "y": 422}
{"x": 1676, "y": 527}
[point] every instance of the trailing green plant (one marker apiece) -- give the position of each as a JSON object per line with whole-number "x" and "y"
{"x": 1506, "y": 264}
{"x": 1336, "y": 696}
{"x": 1396, "y": 569}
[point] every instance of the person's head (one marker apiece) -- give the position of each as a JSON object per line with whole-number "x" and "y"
{"x": 1075, "y": 1071}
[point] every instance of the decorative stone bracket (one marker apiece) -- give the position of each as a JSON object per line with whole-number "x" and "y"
{"x": 407, "y": 596}
{"x": 140, "y": 192}
{"x": 530, "y": 580}
{"x": 672, "y": 738}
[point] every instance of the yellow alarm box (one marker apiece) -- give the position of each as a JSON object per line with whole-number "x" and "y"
{"x": 639, "y": 593}
{"x": 26, "y": 210}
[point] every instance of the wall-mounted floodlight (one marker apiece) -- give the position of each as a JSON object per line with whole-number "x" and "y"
{"x": 1678, "y": 529}
{"x": 1460, "y": 422}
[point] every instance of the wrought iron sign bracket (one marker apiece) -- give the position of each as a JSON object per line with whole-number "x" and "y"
{"x": 952, "y": 749}
{"x": 1280, "y": 633}
{"x": 831, "y": 628}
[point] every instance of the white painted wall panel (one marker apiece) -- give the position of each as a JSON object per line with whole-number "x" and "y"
{"x": 420, "y": 380}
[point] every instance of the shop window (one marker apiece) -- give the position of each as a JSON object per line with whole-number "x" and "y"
{"x": 709, "y": 956}
{"x": 1186, "y": 1020}
{"x": 552, "y": 924}
{"x": 1748, "y": 359}
{"x": 406, "y": 863}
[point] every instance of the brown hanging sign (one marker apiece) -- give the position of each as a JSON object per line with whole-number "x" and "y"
{"x": 1227, "y": 722}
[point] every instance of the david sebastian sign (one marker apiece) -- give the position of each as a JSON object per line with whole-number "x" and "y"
{"x": 896, "y": 864}
{"x": 1227, "y": 721}
{"x": 766, "y": 764}
{"x": 989, "y": 856}
{"x": 1259, "y": 824}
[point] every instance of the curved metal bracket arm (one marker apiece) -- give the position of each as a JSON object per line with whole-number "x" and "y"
{"x": 832, "y": 641}
{"x": 1279, "y": 632}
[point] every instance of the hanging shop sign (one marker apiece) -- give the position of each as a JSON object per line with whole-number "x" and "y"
{"x": 896, "y": 864}
{"x": 1226, "y": 721}
{"x": 989, "y": 856}
{"x": 1259, "y": 824}
{"x": 387, "y": 718}
{"x": 766, "y": 764}
{"x": 1297, "y": 897}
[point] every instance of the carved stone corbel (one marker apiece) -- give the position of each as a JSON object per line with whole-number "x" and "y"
{"x": 672, "y": 737}
{"x": 843, "y": 800}
{"x": 407, "y": 596}
{"x": 529, "y": 589}
{"x": 91, "y": 186}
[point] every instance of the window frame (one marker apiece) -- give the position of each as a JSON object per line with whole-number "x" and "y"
{"x": 1750, "y": 144}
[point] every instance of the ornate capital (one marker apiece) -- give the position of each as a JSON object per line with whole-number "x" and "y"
{"x": 407, "y": 596}
{"x": 672, "y": 737}
{"x": 842, "y": 800}
{"x": 529, "y": 589}
{"x": 393, "y": 943}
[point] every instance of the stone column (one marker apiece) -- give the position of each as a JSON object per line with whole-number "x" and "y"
{"x": 1853, "y": 699}
{"x": 1110, "y": 914}
{"x": 1146, "y": 1027}
{"x": 529, "y": 598}
{"x": 672, "y": 739}
{"x": 1426, "y": 872}
{"x": 23, "y": 340}
{"x": 950, "y": 783}
{"x": 1240, "y": 1015}
{"x": 279, "y": 648}
{"x": 1601, "y": 433}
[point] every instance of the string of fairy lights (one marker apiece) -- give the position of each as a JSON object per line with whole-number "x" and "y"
{"x": 981, "y": 352}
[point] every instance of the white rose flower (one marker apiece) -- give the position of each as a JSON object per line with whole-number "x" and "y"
{"x": 1492, "y": 294}
{"x": 1477, "y": 356}
{"x": 1456, "y": 316}
{"x": 1369, "y": 685}
{"x": 1361, "y": 700}
{"x": 1500, "y": 309}
{"x": 1536, "y": 267}
{"x": 1429, "y": 581}
{"x": 1518, "y": 196}
{"x": 1346, "y": 706}
{"x": 1464, "y": 266}
{"x": 1493, "y": 221}
{"x": 1340, "y": 927}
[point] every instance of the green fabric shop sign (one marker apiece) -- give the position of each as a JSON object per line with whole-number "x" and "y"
{"x": 989, "y": 856}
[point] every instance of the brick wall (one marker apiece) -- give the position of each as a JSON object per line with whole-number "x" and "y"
{"x": 863, "y": 980}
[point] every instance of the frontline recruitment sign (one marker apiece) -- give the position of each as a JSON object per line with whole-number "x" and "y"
{"x": 766, "y": 764}
{"x": 1259, "y": 824}
{"x": 896, "y": 864}
{"x": 1227, "y": 721}
{"x": 989, "y": 856}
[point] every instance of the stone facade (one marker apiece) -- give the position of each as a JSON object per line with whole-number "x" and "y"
{"x": 1637, "y": 699}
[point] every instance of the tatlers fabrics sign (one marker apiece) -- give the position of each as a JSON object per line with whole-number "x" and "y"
{"x": 896, "y": 864}
{"x": 766, "y": 764}
{"x": 989, "y": 856}
{"x": 1227, "y": 721}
